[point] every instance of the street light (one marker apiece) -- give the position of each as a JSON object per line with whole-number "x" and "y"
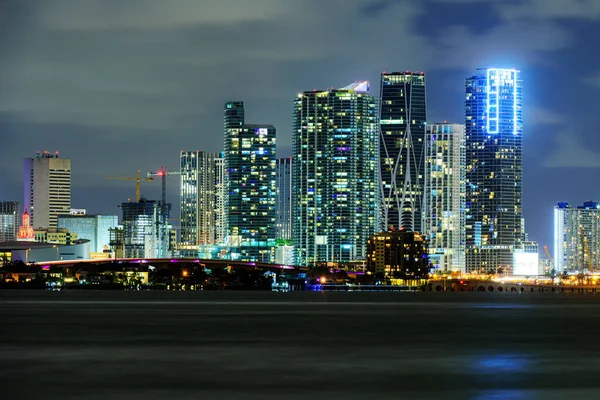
{"x": 56, "y": 247}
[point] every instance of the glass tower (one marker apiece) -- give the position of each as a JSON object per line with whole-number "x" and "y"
{"x": 9, "y": 220}
{"x": 402, "y": 116}
{"x": 444, "y": 206}
{"x": 335, "y": 154}
{"x": 494, "y": 130}
{"x": 250, "y": 178}
{"x": 141, "y": 229}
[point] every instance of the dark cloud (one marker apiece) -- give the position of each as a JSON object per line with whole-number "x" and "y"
{"x": 119, "y": 86}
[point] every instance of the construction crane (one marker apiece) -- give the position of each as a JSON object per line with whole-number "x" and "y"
{"x": 164, "y": 208}
{"x": 549, "y": 257}
{"x": 137, "y": 180}
{"x": 163, "y": 177}
{"x": 552, "y": 271}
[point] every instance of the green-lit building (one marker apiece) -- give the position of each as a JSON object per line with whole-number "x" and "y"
{"x": 250, "y": 180}
{"x": 335, "y": 176}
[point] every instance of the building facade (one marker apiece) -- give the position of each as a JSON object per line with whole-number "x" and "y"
{"x": 9, "y": 220}
{"x": 398, "y": 254}
{"x": 402, "y": 119}
{"x": 336, "y": 203}
{"x": 142, "y": 230}
{"x": 202, "y": 198}
{"x": 47, "y": 182}
{"x": 251, "y": 192}
{"x": 444, "y": 205}
{"x": 95, "y": 228}
{"x": 577, "y": 237}
{"x": 494, "y": 134}
{"x": 283, "y": 206}
{"x": 54, "y": 236}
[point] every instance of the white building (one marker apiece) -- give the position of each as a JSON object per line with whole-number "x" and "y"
{"x": 47, "y": 182}
{"x": 444, "y": 197}
{"x": 202, "y": 198}
{"x": 577, "y": 237}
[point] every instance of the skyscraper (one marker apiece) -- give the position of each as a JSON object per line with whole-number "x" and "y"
{"x": 494, "y": 128}
{"x": 402, "y": 119}
{"x": 283, "y": 222}
{"x": 9, "y": 220}
{"x": 202, "y": 198}
{"x": 577, "y": 237}
{"x": 250, "y": 178}
{"x": 335, "y": 157}
{"x": 444, "y": 206}
{"x": 47, "y": 183}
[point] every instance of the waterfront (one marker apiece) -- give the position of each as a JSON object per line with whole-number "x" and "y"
{"x": 262, "y": 345}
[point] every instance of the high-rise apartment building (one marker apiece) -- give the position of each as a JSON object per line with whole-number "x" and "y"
{"x": 47, "y": 182}
{"x": 444, "y": 205}
{"x": 283, "y": 206}
{"x": 335, "y": 173}
{"x": 250, "y": 176}
{"x": 9, "y": 220}
{"x": 577, "y": 237}
{"x": 402, "y": 119}
{"x": 494, "y": 134}
{"x": 202, "y": 198}
{"x": 95, "y": 228}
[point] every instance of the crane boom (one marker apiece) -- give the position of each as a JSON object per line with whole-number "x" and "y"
{"x": 137, "y": 180}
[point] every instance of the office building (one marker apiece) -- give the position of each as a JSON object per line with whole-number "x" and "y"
{"x": 577, "y": 237}
{"x": 251, "y": 192}
{"x": 95, "y": 228}
{"x": 283, "y": 205}
{"x": 402, "y": 119}
{"x": 9, "y": 220}
{"x": 202, "y": 198}
{"x": 143, "y": 230}
{"x": 494, "y": 134}
{"x": 335, "y": 173}
{"x": 398, "y": 254}
{"x": 444, "y": 205}
{"x": 47, "y": 192}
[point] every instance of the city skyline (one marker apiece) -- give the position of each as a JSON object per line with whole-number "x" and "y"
{"x": 528, "y": 37}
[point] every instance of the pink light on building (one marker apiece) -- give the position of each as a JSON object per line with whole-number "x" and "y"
{"x": 25, "y": 230}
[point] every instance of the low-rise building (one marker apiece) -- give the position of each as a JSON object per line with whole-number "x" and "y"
{"x": 398, "y": 254}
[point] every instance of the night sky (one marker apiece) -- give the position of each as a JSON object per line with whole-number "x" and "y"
{"x": 124, "y": 85}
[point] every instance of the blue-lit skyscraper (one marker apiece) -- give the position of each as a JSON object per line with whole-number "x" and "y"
{"x": 494, "y": 136}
